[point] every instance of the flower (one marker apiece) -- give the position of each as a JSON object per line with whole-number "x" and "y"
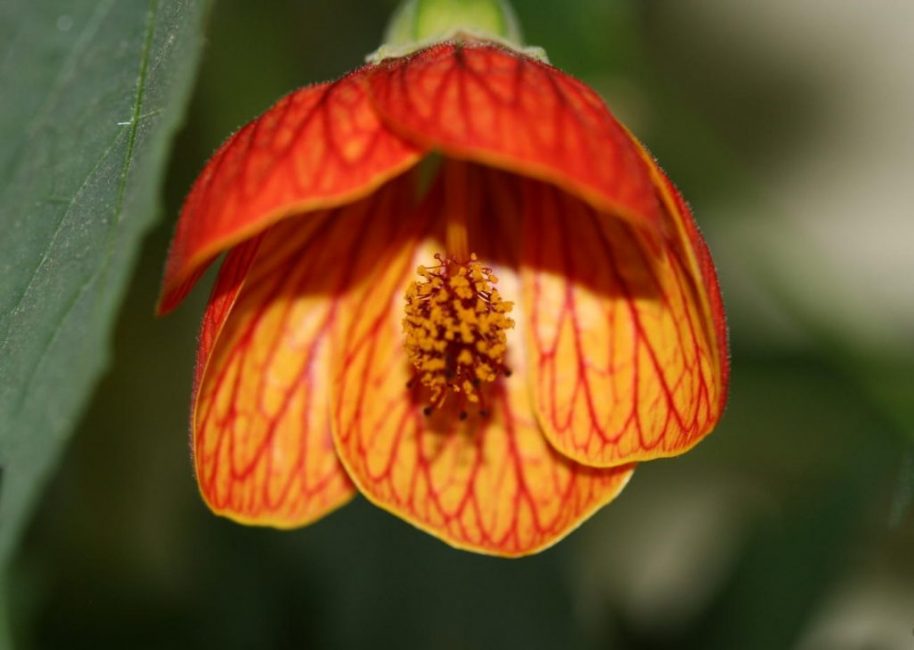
{"x": 455, "y": 284}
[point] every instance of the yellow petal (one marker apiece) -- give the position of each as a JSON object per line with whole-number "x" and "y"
{"x": 625, "y": 364}
{"x": 490, "y": 484}
{"x": 262, "y": 445}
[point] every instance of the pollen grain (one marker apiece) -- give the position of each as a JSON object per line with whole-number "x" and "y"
{"x": 455, "y": 330}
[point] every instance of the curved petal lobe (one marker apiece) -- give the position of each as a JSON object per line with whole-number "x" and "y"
{"x": 624, "y": 361}
{"x": 495, "y": 106}
{"x": 263, "y": 450}
{"x": 489, "y": 484}
{"x": 318, "y": 147}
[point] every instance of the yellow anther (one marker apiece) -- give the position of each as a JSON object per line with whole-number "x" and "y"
{"x": 454, "y": 328}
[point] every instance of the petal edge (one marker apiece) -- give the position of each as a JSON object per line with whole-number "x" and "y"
{"x": 482, "y": 102}
{"x": 319, "y": 147}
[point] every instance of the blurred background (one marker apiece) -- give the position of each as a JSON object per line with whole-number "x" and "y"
{"x": 790, "y": 128}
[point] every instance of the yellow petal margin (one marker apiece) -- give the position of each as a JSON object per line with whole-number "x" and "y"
{"x": 263, "y": 450}
{"x": 488, "y": 484}
{"x": 624, "y": 361}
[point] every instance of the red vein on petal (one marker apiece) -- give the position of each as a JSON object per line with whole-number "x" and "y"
{"x": 267, "y": 456}
{"x": 494, "y": 106}
{"x": 693, "y": 253}
{"x": 620, "y": 372}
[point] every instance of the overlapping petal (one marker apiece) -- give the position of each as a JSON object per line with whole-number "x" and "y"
{"x": 625, "y": 363}
{"x": 494, "y": 106}
{"x": 262, "y": 446}
{"x": 318, "y": 147}
{"x": 488, "y": 483}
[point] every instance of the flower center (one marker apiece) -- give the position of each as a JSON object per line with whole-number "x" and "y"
{"x": 454, "y": 329}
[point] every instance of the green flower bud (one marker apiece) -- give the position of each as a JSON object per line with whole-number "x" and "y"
{"x": 416, "y": 24}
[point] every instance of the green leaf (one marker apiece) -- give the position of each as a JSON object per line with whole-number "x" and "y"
{"x": 93, "y": 92}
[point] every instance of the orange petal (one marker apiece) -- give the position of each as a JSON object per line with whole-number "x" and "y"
{"x": 318, "y": 147}
{"x": 500, "y": 108}
{"x": 626, "y": 363}
{"x": 692, "y": 250}
{"x": 263, "y": 450}
{"x": 492, "y": 485}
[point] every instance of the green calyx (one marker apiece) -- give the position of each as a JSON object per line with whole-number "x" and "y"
{"x": 416, "y": 24}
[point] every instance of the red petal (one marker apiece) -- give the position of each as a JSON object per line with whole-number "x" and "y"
{"x": 497, "y": 107}
{"x": 263, "y": 450}
{"x": 627, "y": 363}
{"x": 318, "y": 147}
